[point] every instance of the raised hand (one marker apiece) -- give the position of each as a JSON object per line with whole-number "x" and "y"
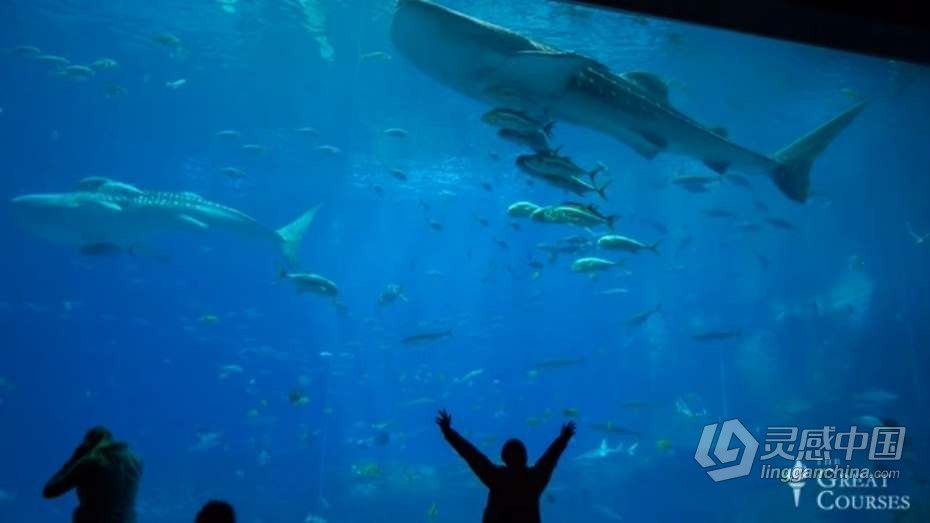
{"x": 568, "y": 429}
{"x": 444, "y": 420}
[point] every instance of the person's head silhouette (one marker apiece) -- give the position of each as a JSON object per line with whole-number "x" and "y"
{"x": 514, "y": 453}
{"x": 216, "y": 511}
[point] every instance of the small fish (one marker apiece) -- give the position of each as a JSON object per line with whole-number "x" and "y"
{"x": 77, "y": 71}
{"x": 176, "y": 84}
{"x": 395, "y": 132}
{"x": 570, "y": 412}
{"x": 426, "y": 337}
{"x": 554, "y": 164}
{"x": 558, "y": 364}
{"x": 375, "y": 56}
{"x": 591, "y": 264}
{"x": 515, "y": 121}
{"x": 114, "y": 90}
{"x": 694, "y": 184}
{"x": 614, "y": 291}
{"x": 105, "y": 63}
{"x": 875, "y": 395}
{"x": 783, "y": 224}
{"x": 612, "y": 428}
{"x": 641, "y": 317}
{"x": 918, "y": 238}
{"x": 391, "y": 293}
{"x": 51, "y": 59}
{"x": 307, "y": 131}
{"x": 719, "y": 335}
{"x": 167, "y": 40}
{"x": 297, "y": 397}
{"x": 622, "y": 243}
{"x": 312, "y": 283}
{"x": 521, "y": 209}
{"x": 233, "y": 172}
{"x": 229, "y": 134}
{"x": 328, "y": 149}
{"x": 399, "y": 175}
{"x": 209, "y": 319}
{"x": 378, "y": 189}
{"x": 25, "y": 50}
{"x": 763, "y": 261}
{"x": 436, "y": 226}
{"x": 254, "y": 148}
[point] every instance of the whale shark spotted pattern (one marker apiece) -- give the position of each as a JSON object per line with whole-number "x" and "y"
{"x": 504, "y": 69}
{"x": 107, "y": 212}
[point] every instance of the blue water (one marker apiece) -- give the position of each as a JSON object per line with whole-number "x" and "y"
{"x": 834, "y": 311}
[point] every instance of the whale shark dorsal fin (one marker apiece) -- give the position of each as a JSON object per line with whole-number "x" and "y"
{"x": 110, "y": 206}
{"x": 120, "y": 188}
{"x": 194, "y": 222}
{"x": 604, "y": 445}
{"x": 651, "y": 84}
{"x": 546, "y": 72}
{"x": 92, "y": 183}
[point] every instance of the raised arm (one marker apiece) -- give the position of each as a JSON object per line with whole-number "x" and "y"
{"x": 66, "y": 478}
{"x": 478, "y": 462}
{"x": 547, "y": 462}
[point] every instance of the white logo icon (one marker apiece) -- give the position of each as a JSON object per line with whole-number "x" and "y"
{"x": 797, "y": 472}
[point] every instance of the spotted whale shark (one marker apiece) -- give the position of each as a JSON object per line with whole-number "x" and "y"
{"x": 504, "y": 69}
{"x": 102, "y": 211}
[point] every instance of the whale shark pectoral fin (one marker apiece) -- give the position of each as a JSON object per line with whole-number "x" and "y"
{"x": 545, "y": 72}
{"x": 110, "y": 206}
{"x": 653, "y": 85}
{"x": 193, "y": 222}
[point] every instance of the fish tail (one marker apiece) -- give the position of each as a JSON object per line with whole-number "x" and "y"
{"x": 792, "y": 175}
{"x": 292, "y": 234}
{"x": 611, "y": 220}
{"x": 600, "y": 190}
{"x": 594, "y": 172}
{"x": 547, "y": 129}
{"x": 654, "y": 247}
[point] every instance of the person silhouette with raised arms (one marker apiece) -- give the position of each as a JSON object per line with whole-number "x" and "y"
{"x": 514, "y": 489}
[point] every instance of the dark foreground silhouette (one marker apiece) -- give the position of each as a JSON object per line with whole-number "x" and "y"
{"x": 514, "y": 489}
{"x": 216, "y": 511}
{"x": 106, "y": 476}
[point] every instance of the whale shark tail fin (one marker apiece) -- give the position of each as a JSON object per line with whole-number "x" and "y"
{"x": 292, "y": 234}
{"x": 793, "y": 175}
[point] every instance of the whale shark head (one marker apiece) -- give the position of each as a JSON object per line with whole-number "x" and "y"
{"x": 63, "y": 218}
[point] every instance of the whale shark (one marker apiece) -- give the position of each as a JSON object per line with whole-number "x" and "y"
{"x": 499, "y": 67}
{"x": 102, "y": 211}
